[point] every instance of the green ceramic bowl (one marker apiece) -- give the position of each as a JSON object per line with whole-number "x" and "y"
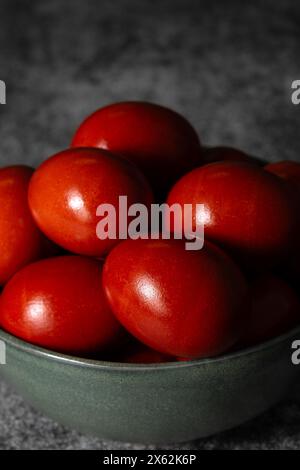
{"x": 161, "y": 403}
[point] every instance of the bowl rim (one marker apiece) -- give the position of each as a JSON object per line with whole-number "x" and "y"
{"x": 124, "y": 366}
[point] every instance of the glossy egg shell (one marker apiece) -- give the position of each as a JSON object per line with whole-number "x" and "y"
{"x": 67, "y": 189}
{"x": 246, "y": 210}
{"x": 178, "y": 302}
{"x": 21, "y": 242}
{"x": 158, "y": 140}
{"x": 59, "y": 304}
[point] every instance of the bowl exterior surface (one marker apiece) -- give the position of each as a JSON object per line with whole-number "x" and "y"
{"x": 154, "y": 404}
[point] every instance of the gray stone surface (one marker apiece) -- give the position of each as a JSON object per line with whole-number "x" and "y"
{"x": 227, "y": 66}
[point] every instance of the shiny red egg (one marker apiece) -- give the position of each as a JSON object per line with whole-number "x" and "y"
{"x": 158, "y": 140}
{"x": 246, "y": 210}
{"x": 59, "y": 304}
{"x": 67, "y": 189}
{"x": 21, "y": 242}
{"x": 178, "y": 302}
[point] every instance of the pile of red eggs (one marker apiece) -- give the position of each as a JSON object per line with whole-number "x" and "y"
{"x": 148, "y": 300}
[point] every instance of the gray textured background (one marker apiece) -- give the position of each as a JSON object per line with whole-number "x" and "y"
{"x": 227, "y": 66}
